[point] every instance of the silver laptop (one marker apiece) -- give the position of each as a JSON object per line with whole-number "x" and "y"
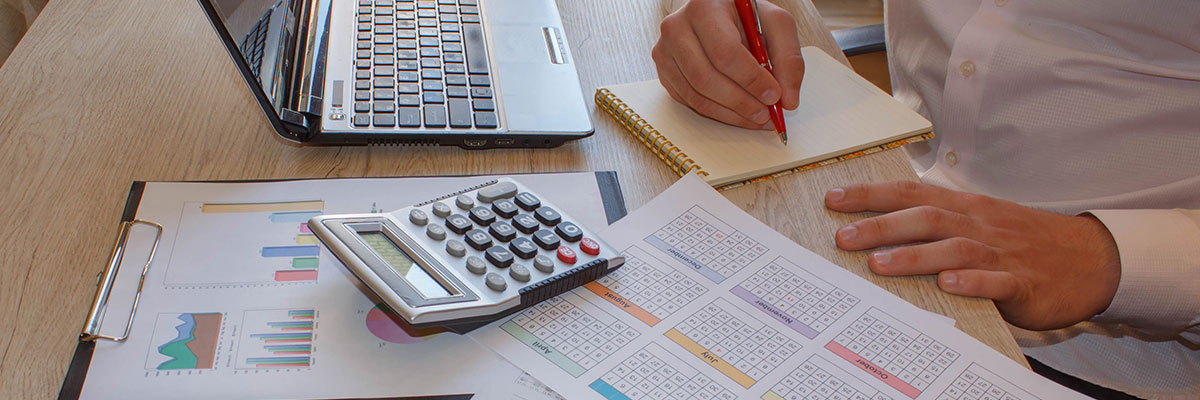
{"x": 471, "y": 73}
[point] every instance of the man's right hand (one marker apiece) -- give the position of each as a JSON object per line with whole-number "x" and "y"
{"x": 703, "y": 62}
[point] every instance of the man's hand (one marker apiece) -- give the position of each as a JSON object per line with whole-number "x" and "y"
{"x": 703, "y": 62}
{"x": 1044, "y": 270}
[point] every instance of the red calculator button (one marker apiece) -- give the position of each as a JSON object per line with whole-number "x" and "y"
{"x": 589, "y": 246}
{"x": 565, "y": 254}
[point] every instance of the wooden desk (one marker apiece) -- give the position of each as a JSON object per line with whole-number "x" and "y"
{"x": 103, "y": 93}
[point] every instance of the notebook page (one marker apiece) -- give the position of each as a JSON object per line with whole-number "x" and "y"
{"x": 839, "y": 113}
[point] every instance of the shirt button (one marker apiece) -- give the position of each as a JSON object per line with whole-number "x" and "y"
{"x": 951, "y": 158}
{"x": 1001, "y": 3}
{"x": 966, "y": 68}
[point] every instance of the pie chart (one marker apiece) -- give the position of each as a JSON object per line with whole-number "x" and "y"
{"x": 389, "y": 327}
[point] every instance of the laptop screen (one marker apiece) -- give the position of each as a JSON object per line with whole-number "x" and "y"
{"x": 258, "y": 30}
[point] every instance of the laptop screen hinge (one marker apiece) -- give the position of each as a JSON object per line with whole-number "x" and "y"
{"x": 295, "y": 123}
{"x": 312, "y": 27}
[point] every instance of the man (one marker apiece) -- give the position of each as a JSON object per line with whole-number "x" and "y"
{"x": 1068, "y": 148}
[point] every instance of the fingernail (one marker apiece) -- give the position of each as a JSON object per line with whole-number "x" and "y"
{"x": 882, "y": 258}
{"x": 950, "y": 279}
{"x": 848, "y": 232}
{"x": 837, "y": 194}
{"x": 768, "y": 96}
{"x": 761, "y": 117}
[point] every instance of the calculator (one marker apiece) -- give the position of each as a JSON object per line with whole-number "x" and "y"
{"x": 468, "y": 258}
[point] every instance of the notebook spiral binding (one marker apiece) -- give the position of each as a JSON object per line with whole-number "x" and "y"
{"x": 640, "y": 129}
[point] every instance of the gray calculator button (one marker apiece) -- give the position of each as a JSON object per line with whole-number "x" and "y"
{"x": 436, "y": 232}
{"x": 483, "y": 215}
{"x": 496, "y": 282}
{"x": 569, "y": 231}
{"x": 502, "y": 231}
{"x": 499, "y": 256}
{"x": 502, "y": 190}
{"x": 418, "y": 217}
{"x": 543, "y": 263}
{"x": 522, "y": 247}
{"x": 479, "y": 239}
{"x": 505, "y": 208}
{"x": 546, "y": 239}
{"x": 548, "y": 216}
{"x": 441, "y": 209}
{"x": 519, "y": 272}
{"x": 526, "y": 223}
{"x": 456, "y": 248}
{"x": 458, "y": 223}
{"x": 476, "y": 265}
{"x": 464, "y": 202}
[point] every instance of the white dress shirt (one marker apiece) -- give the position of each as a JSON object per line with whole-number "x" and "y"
{"x": 1076, "y": 106}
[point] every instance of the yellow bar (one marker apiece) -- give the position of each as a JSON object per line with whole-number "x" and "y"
{"x": 769, "y": 395}
{"x": 716, "y": 362}
{"x": 221, "y": 208}
{"x": 306, "y": 238}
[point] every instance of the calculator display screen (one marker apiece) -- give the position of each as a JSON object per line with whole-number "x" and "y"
{"x": 404, "y": 265}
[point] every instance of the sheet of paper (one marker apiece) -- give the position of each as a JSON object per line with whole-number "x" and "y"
{"x": 241, "y": 301}
{"x": 712, "y": 303}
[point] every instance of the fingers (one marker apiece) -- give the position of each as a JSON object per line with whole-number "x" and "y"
{"x": 722, "y": 42}
{"x": 899, "y": 195}
{"x": 917, "y": 224}
{"x": 996, "y": 285}
{"x": 931, "y": 258}
{"x": 689, "y": 56}
{"x": 679, "y": 89}
{"x": 783, "y": 44}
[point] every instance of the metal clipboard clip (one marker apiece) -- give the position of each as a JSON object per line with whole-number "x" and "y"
{"x": 91, "y": 328}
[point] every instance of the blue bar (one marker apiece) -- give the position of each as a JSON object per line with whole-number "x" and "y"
{"x": 293, "y": 216}
{"x": 291, "y": 251}
{"x": 286, "y": 334}
{"x": 262, "y": 359}
{"x": 606, "y": 390}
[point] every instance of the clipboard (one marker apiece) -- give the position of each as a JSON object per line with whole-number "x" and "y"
{"x": 607, "y": 182}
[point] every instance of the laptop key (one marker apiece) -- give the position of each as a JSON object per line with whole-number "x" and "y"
{"x": 431, "y": 63}
{"x": 449, "y": 27}
{"x": 408, "y": 88}
{"x": 426, "y": 4}
{"x": 364, "y": 27}
{"x": 427, "y": 32}
{"x": 430, "y": 52}
{"x": 362, "y": 64}
{"x": 362, "y": 120}
{"x": 481, "y": 92}
{"x": 406, "y": 44}
{"x": 385, "y": 94}
{"x": 362, "y": 54}
{"x": 362, "y": 85}
{"x": 405, "y": 6}
{"x": 448, "y": 18}
{"x": 470, "y": 19}
{"x": 433, "y": 98}
{"x": 383, "y": 39}
{"x": 406, "y": 54}
{"x": 409, "y": 116}
{"x": 460, "y": 113}
{"x": 405, "y": 15}
{"x": 427, "y": 22}
{"x": 362, "y": 95}
{"x": 453, "y": 57}
{"x": 385, "y": 50}
{"x": 455, "y": 68}
{"x": 456, "y": 91}
{"x": 469, "y": 10}
{"x": 384, "y": 3}
{"x": 406, "y": 24}
{"x": 435, "y": 115}
{"x": 429, "y": 42}
{"x": 407, "y": 65}
{"x": 447, "y": 9}
{"x": 365, "y": 10}
{"x": 382, "y": 71}
{"x": 385, "y": 120}
{"x": 476, "y": 49}
{"x": 468, "y": 2}
{"x": 362, "y": 106}
{"x": 384, "y": 82}
{"x": 457, "y": 80}
{"x": 407, "y": 76}
{"x": 481, "y": 80}
{"x": 431, "y": 85}
{"x": 406, "y": 34}
{"x": 486, "y": 119}
{"x": 385, "y": 60}
{"x": 385, "y": 107}
{"x": 427, "y": 13}
{"x": 384, "y": 29}
{"x": 364, "y": 2}
{"x": 409, "y": 100}
{"x": 484, "y": 105}
{"x": 455, "y": 47}
{"x": 451, "y": 37}
{"x": 384, "y": 20}
{"x": 364, "y": 36}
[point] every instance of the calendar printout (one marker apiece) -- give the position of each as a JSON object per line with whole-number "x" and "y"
{"x": 713, "y": 304}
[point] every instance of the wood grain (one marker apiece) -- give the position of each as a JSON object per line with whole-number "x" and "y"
{"x": 100, "y": 94}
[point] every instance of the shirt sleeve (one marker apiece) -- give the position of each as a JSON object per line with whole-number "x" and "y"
{"x": 1159, "y": 289}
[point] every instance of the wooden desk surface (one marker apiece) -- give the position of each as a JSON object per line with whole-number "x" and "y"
{"x": 100, "y": 94}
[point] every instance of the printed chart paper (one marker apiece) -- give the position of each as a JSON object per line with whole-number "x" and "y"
{"x": 713, "y": 304}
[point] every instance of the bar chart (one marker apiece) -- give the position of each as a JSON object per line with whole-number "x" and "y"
{"x": 277, "y": 338}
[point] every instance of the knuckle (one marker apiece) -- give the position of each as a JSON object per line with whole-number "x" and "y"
{"x": 933, "y": 216}
{"x": 906, "y": 190}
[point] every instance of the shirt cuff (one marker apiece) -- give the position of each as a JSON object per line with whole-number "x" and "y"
{"x": 1160, "y": 269}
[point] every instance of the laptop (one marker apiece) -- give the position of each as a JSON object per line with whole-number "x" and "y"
{"x": 471, "y": 73}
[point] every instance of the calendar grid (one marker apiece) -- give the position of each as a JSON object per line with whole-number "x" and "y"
{"x": 710, "y": 247}
{"x": 652, "y": 374}
{"x": 893, "y": 352}
{"x": 977, "y": 382}
{"x": 644, "y": 290}
{"x": 573, "y": 339}
{"x": 738, "y": 346}
{"x": 802, "y": 301}
{"x": 817, "y": 378}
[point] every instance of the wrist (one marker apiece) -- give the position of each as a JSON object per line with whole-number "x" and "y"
{"x": 1104, "y": 263}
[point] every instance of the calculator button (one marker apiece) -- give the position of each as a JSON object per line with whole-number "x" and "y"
{"x": 505, "y": 208}
{"x": 441, "y": 209}
{"x": 544, "y": 264}
{"x": 478, "y": 239}
{"x": 546, "y": 239}
{"x": 519, "y": 272}
{"x": 502, "y": 231}
{"x": 464, "y": 202}
{"x": 496, "y": 282}
{"x": 418, "y": 217}
{"x": 456, "y": 248}
{"x": 502, "y": 190}
{"x": 589, "y": 246}
{"x": 526, "y": 223}
{"x": 458, "y": 223}
{"x": 436, "y": 232}
{"x": 483, "y": 215}
{"x": 499, "y": 256}
{"x": 522, "y": 247}
{"x": 476, "y": 265}
{"x": 565, "y": 254}
{"x": 548, "y": 216}
{"x": 569, "y": 231}
{"x": 528, "y": 201}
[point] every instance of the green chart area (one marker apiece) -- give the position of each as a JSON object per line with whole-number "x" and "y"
{"x": 195, "y": 343}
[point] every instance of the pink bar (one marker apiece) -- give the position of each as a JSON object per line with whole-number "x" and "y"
{"x": 288, "y": 276}
{"x": 304, "y": 228}
{"x": 873, "y": 369}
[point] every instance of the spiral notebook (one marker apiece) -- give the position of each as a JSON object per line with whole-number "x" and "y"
{"x": 841, "y": 116}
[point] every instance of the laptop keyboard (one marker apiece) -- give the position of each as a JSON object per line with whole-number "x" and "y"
{"x": 255, "y": 41}
{"x": 421, "y": 64}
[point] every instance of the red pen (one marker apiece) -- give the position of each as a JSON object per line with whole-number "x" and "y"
{"x": 748, "y": 12}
